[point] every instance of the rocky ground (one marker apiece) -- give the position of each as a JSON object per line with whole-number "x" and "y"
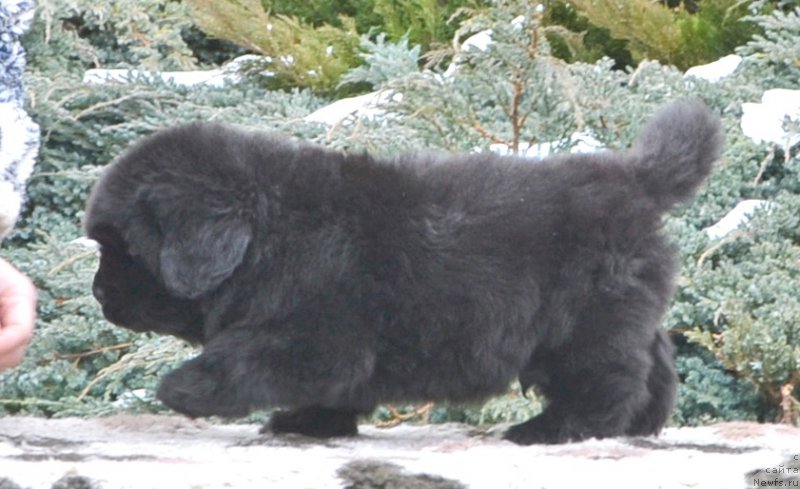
{"x": 122, "y": 452}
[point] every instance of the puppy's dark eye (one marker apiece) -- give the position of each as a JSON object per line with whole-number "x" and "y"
{"x": 132, "y": 251}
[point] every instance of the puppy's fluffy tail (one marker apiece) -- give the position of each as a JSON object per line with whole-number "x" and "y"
{"x": 676, "y": 150}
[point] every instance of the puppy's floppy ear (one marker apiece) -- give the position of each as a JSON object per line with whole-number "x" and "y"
{"x": 199, "y": 254}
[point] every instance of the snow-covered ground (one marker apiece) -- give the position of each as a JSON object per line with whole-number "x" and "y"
{"x": 137, "y": 452}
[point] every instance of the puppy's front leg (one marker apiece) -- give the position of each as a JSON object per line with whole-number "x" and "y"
{"x": 314, "y": 421}
{"x": 201, "y": 387}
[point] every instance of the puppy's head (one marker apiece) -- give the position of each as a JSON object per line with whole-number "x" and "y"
{"x": 172, "y": 227}
{"x": 134, "y": 298}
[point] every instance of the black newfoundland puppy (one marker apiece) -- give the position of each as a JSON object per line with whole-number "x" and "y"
{"x": 327, "y": 283}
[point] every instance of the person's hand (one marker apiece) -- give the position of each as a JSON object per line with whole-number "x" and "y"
{"x": 17, "y": 314}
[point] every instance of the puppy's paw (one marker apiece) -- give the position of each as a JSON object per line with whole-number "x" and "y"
{"x": 316, "y": 422}
{"x": 198, "y": 388}
{"x": 536, "y": 431}
{"x": 551, "y": 427}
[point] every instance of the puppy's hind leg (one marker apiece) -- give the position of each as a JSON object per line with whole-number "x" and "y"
{"x": 661, "y": 386}
{"x": 603, "y": 382}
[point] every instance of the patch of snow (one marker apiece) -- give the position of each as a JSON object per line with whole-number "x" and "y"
{"x": 287, "y": 60}
{"x": 519, "y": 20}
{"x": 580, "y": 142}
{"x": 367, "y": 106}
{"x": 217, "y": 78}
{"x": 764, "y": 122}
{"x": 481, "y": 41}
{"x": 131, "y": 398}
{"x": 84, "y": 242}
{"x": 737, "y": 217}
{"x": 99, "y": 76}
{"x": 717, "y": 70}
{"x": 585, "y": 143}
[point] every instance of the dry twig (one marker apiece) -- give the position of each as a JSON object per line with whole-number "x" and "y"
{"x": 398, "y": 417}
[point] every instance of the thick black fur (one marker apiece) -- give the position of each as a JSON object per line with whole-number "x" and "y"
{"x": 326, "y": 283}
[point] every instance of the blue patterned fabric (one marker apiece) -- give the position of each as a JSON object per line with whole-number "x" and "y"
{"x": 16, "y": 17}
{"x": 19, "y": 135}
